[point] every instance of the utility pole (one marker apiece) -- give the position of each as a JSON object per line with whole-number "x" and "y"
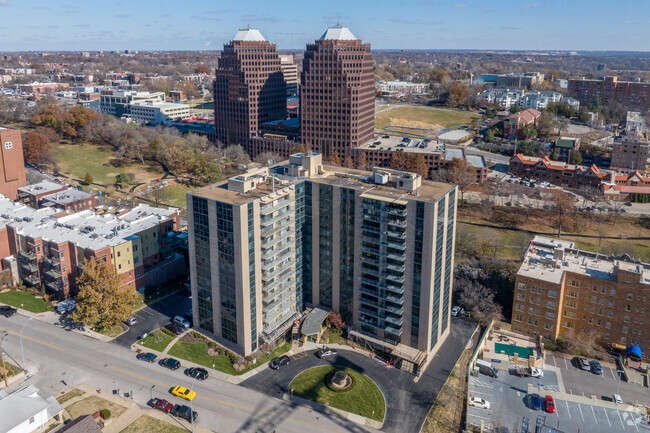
{"x": 21, "y": 343}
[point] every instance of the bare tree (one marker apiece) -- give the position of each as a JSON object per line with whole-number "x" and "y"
{"x": 268, "y": 158}
{"x": 479, "y": 300}
{"x": 462, "y": 174}
{"x": 563, "y": 209}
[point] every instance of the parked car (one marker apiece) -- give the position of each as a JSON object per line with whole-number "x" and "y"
{"x": 455, "y": 310}
{"x": 149, "y": 357}
{"x": 324, "y": 352}
{"x": 617, "y": 399}
{"x": 596, "y": 368}
{"x": 550, "y": 404}
{"x": 66, "y": 306}
{"x": 171, "y": 363}
{"x": 174, "y": 328}
{"x": 583, "y": 363}
{"x": 182, "y": 321}
{"x": 182, "y": 411}
{"x": 182, "y": 392}
{"x": 161, "y": 404}
{"x": 279, "y": 362}
{"x": 479, "y": 402}
{"x": 131, "y": 321}
{"x": 197, "y": 373}
{"x": 7, "y": 311}
{"x": 536, "y": 402}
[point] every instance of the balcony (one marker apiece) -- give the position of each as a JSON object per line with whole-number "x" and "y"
{"x": 367, "y": 271}
{"x": 396, "y": 278}
{"x": 31, "y": 280}
{"x": 396, "y": 235}
{"x": 371, "y": 302}
{"x": 394, "y": 300}
{"x": 29, "y": 267}
{"x": 394, "y": 310}
{"x": 53, "y": 262}
{"x": 53, "y": 274}
{"x": 370, "y": 313}
{"x": 396, "y": 211}
{"x": 395, "y": 268}
{"x": 369, "y": 281}
{"x": 393, "y": 331}
{"x": 397, "y": 223}
{"x": 54, "y": 285}
{"x": 28, "y": 256}
{"x": 397, "y": 321}
{"x": 396, "y": 257}
{"x": 396, "y": 245}
{"x": 394, "y": 289}
{"x": 369, "y": 292}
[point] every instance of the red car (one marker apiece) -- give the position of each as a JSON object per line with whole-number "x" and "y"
{"x": 162, "y": 405}
{"x": 550, "y": 404}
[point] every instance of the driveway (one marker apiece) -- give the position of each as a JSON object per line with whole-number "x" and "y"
{"x": 407, "y": 402}
{"x": 155, "y": 315}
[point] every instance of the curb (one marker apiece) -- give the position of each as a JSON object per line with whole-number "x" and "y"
{"x": 357, "y": 419}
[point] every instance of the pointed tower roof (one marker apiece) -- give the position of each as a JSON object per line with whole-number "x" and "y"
{"x": 339, "y": 33}
{"x": 249, "y": 35}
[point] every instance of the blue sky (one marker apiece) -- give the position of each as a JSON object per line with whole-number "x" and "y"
{"x": 416, "y": 24}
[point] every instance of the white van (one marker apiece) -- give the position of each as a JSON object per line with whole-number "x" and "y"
{"x": 182, "y": 321}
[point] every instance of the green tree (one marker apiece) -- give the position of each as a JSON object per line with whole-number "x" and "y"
{"x": 515, "y": 108}
{"x": 575, "y": 157}
{"x": 530, "y": 131}
{"x": 88, "y": 179}
{"x": 103, "y": 300}
{"x": 489, "y": 135}
{"x": 122, "y": 180}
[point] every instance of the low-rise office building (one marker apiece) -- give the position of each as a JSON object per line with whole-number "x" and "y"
{"x": 561, "y": 291}
{"x": 52, "y": 194}
{"x": 158, "y": 113}
{"x": 376, "y": 247}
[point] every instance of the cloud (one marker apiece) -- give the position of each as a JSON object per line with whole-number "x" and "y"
{"x": 530, "y": 6}
{"x": 461, "y": 5}
{"x": 414, "y": 22}
{"x": 257, "y": 18}
{"x": 220, "y": 11}
{"x": 334, "y": 16}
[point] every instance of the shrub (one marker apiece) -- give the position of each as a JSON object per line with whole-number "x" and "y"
{"x": 232, "y": 357}
{"x": 105, "y": 413}
{"x": 168, "y": 332}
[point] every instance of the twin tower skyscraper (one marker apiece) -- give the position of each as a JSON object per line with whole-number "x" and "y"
{"x": 337, "y": 94}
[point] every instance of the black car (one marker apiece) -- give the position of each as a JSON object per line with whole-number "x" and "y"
{"x": 176, "y": 329}
{"x": 170, "y": 363}
{"x": 182, "y": 411}
{"x": 149, "y": 357}
{"x": 197, "y": 373}
{"x": 324, "y": 352}
{"x": 7, "y": 311}
{"x": 279, "y": 362}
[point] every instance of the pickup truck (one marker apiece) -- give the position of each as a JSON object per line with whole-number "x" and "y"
{"x": 160, "y": 404}
{"x": 528, "y": 372}
{"x": 182, "y": 411}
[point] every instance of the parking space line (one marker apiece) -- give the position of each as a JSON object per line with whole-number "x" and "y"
{"x": 567, "y": 409}
{"x": 581, "y": 415}
{"x": 612, "y": 371}
{"x": 610, "y": 424}
{"x": 554, "y": 363}
{"x": 620, "y": 419}
{"x": 565, "y": 363}
{"x": 634, "y": 422}
{"x": 592, "y": 411}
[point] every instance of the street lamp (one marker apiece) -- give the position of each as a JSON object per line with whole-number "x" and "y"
{"x": 2, "y": 358}
{"x": 22, "y": 353}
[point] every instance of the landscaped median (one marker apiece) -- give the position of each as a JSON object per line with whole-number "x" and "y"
{"x": 363, "y": 397}
{"x": 157, "y": 340}
{"x": 198, "y": 349}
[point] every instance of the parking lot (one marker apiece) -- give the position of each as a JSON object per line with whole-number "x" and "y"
{"x": 155, "y": 315}
{"x": 510, "y": 405}
{"x": 585, "y": 383}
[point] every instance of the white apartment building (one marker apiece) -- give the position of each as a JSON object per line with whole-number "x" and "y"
{"x": 118, "y": 102}
{"x": 404, "y": 87}
{"x": 157, "y": 113}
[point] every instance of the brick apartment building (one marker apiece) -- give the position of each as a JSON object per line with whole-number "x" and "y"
{"x": 249, "y": 88}
{"x": 337, "y": 93}
{"x": 51, "y": 246}
{"x": 630, "y": 94}
{"x": 513, "y": 126}
{"x": 561, "y": 291}
{"x": 12, "y": 163}
{"x": 565, "y": 146}
{"x": 630, "y": 152}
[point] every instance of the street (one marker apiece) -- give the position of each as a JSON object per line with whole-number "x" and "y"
{"x": 59, "y": 359}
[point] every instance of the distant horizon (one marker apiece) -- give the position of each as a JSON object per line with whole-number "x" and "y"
{"x": 449, "y": 25}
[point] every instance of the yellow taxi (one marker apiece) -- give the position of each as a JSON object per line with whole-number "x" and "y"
{"x": 183, "y": 392}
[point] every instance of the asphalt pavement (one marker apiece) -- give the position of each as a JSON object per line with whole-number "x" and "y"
{"x": 407, "y": 402}
{"x": 58, "y": 359}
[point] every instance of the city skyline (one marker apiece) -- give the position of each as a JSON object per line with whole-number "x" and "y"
{"x": 448, "y": 25}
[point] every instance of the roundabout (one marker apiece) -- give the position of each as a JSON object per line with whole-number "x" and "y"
{"x": 341, "y": 388}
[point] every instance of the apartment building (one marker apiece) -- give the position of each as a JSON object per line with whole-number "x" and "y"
{"x": 376, "y": 247}
{"x": 513, "y": 126}
{"x": 12, "y": 163}
{"x": 337, "y": 93}
{"x": 290, "y": 73}
{"x": 608, "y": 89}
{"x": 561, "y": 291}
{"x": 118, "y": 102}
{"x": 565, "y": 147}
{"x": 249, "y": 88}
{"x": 513, "y": 80}
{"x": 51, "y": 245}
{"x": 48, "y": 193}
{"x": 630, "y": 152}
{"x": 399, "y": 88}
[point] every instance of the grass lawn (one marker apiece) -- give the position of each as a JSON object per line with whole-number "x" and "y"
{"x": 422, "y": 117}
{"x": 23, "y": 300}
{"x": 69, "y": 395}
{"x": 147, "y": 424}
{"x": 75, "y": 160}
{"x": 157, "y": 340}
{"x": 12, "y": 370}
{"x": 175, "y": 195}
{"x": 197, "y": 353}
{"x": 112, "y": 332}
{"x": 92, "y": 404}
{"x": 364, "y": 398}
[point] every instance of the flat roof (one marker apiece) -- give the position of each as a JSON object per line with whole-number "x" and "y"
{"x": 86, "y": 229}
{"x": 540, "y": 262}
{"x": 314, "y": 321}
{"x": 70, "y": 195}
{"x": 43, "y": 187}
{"x": 334, "y": 175}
